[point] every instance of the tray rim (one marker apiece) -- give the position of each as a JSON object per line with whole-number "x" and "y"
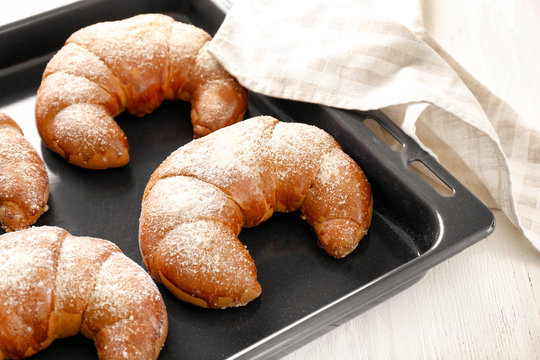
{"x": 446, "y": 245}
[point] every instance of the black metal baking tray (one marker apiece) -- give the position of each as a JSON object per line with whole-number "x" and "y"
{"x": 305, "y": 292}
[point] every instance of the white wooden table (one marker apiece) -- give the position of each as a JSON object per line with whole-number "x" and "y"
{"x": 483, "y": 303}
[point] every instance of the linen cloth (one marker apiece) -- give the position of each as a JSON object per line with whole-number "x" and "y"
{"x": 358, "y": 55}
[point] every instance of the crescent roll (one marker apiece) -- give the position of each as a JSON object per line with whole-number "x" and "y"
{"x": 24, "y": 183}
{"x": 198, "y": 200}
{"x": 131, "y": 64}
{"x": 54, "y": 285}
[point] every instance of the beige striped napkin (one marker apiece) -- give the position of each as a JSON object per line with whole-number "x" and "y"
{"x": 352, "y": 55}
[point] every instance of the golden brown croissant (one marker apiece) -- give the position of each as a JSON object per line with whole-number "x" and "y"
{"x": 24, "y": 183}
{"x": 200, "y": 197}
{"x": 134, "y": 63}
{"x": 54, "y": 285}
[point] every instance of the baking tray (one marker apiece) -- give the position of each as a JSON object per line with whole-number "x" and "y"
{"x": 305, "y": 292}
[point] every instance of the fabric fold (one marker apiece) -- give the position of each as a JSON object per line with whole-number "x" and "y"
{"x": 352, "y": 55}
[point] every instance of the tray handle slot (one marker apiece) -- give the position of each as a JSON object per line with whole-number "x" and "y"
{"x": 384, "y": 135}
{"x": 431, "y": 178}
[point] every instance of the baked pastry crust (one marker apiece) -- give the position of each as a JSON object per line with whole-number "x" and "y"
{"x": 55, "y": 285}
{"x": 24, "y": 183}
{"x": 131, "y": 64}
{"x": 197, "y": 201}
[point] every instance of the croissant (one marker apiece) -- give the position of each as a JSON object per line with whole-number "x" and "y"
{"x": 24, "y": 183}
{"x": 197, "y": 201}
{"x": 54, "y": 285}
{"x": 131, "y": 64}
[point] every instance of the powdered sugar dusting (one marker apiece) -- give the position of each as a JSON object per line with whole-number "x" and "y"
{"x": 249, "y": 161}
{"x": 334, "y": 181}
{"x": 23, "y": 177}
{"x": 122, "y": 289}
{"x": 76, "y": 60}
{"x": 209, "y": 253}
{"x": 71, "y": 89}
{"x": 135, "y": 63}
{"x": 179, "y": 199}
{"x": 27, "y": 270}
{"x": 6, "y": 122}
{"x": 236, "y": 161}
{"x": 210, "y": 106}
{"x": 135, "y": 49}
{"x": 45, "y": 264}
{"x": 182, "y": 199}
{"x": 61, "y": 89}
{"x": 340, "y": 190}
{"x": 123, "y": 341}
{"x": 296, "y": 151}
{"x": 333, "y": 165}
{"x": 184, "y": 42}
{"x": 236, "y": 152}
{"x": 298, "y": 147}
{"x": 87, "y": 129}
{"x": 207, "y": 68}
{"x": 68, "y": 264}
{"x": 134, "y": 43}
{"x": 72, "y": 292}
